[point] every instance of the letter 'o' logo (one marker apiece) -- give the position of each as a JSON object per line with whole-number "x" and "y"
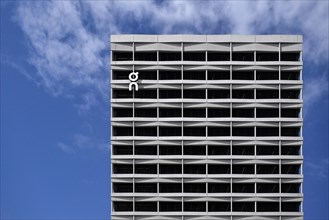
{"x": 133, "y": 77}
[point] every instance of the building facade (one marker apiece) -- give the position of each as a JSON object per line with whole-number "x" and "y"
{"x": 206, "y": 127}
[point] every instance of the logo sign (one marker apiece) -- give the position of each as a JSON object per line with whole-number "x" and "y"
{"x": 133, "y": 77}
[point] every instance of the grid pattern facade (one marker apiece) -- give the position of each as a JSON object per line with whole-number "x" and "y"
{"x": 214, "y": 130}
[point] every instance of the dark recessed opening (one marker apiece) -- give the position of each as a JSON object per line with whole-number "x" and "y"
{"x": 290, "y": 131}
{"x": 290, "y": 56}
{"x": 122, "y": 187}
{"x": 145, "y": 206}
{"x": 122, "y": 94}
{"x": 122, "y": 150}
{"x": 243, "y": 131}
{"x": 218, "y": 131}
{"x": 267, "y": 131}
{"x": 267, "y": 112}
{"x": 147, "y": 75}
{"x": 218, "y": 56}
{"x": 218, "y": 75}
{"x": 290, "y": 169}
{"x": 170, "y": 150}
{"x": 267, "y": 56}
{"x": 268, "y": 206}
{"x": 170, "y": 112}
{"x": 243, "y": 206}
{"x": 243, "y": 94}
{"x": 219, "y": 169}
{"x": 243, "y": 169}
{"x": 290, "y": 150}
{"x": 218, "y": 112}
{"x": 145, "y": 131}
{"x": 122, "y": 168}
{"x": 290, "y": 188}
{"x": 267, "y": 150}
{"x": 290, "y": 207}
{"x": 218, "y": 150}
{"x": 146, "y": 169}
{"x": 194, "y": 187}
{"x": 267, "y": 169}
{"x": 243, "y": 150}
{"x": 218, "y": 94}
{"x": 194, "y": 112}
{"x": 146, "y": 150}
{"x": 170, "y": 169}
{"x": 290, "y": 94}
{"x": 117, "y": 74}
{"x": 267, "y": 188}
{"x": 122, "y": 131}
{"x": 194, "y": 131}
{"x": 290, "y": 75}
{"x": 195, "y": 150}
{"x": 194, "y": 93}
{"x": 267, "y": 94}
{"x": 169, "y": 56}
{"x": 243, "y": 75}
{"x": 194, "y": 206}
{"x": 146, "y": 94}
{"x": 170, "y": 206}
{"x": 170, "y": 75}
{"x": 290, "y": 112}
{"x": 219, "y": 206}
{"x": 243, "y": 112}
{"x": 194, "y": 75}
{"x": 219, "y": 188}
{"x": 194, "y": 56}
{"x": 146, "y": 187}
{"x": 243, "y": 56}
{"x": 146, "y": 112}
{"x": 122, "y": 56}
{"x": 243, "y": 188}
{"x": 145, "y": 56}
{"x": 123, "y": 206}
{"x": 122, "y": 112}
{"x": 170, "y": 131}
{"x": 170, "y": 94}
{"x": 267, "y": 75}
{"x": 170, "y": 187}
{"x": 194, "y": 169}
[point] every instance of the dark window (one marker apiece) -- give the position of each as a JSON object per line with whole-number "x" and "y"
{"x": 194, "y": 187}
{"x": 122, "y": 168}
{"x": 146, "y": 168}
{"x": 243, "y": 94}
{"x": 170, "y": 169}
{"x": 219, "y": 206}
{"x": 219, "y": 188}
{"x": 194, "y": 56}
{"x": 267, "y": 56}
{"x": 218, "y": 112}
{"x": 243, "y": 112}
{"x": 170, "y": 112}
{"x": 290, "y": 56}
{"x": 122, "y": 150}
{"x": 170, "y": 188}
{"x": 170, "y": 75}
{"x": 146, "y": 150}
{"x": 146, "y": 94}
{"x": 122, "y": 94}
{"x": 194, "y": 169}
{"x": 267, "y": 112}
{"x": 146, "y": 112}
{"x": 290, "y": 169}
{"x": 290, "y": 188}
{"x": 148, "y": 75}
{"x": 290, "y": 207}
{"x": 218, "y": 169}
{"x": 145, "y": 131}
{"x": 267, "y": 131}
{"x": 290, "y": 150}
{"x": 290, "y": 75}
{"x": 243, "y": 206}
{"x": 218, "y": 150}
{"x": 170, "y": 56}
{"x": 243, "y": 169}
{"x": 122, "y": 187}
{"x": 194, "y": 112}
{"x": 268, "y": 206}
{"x": 194, "y": 206}
{"x": 243, "y": 56}
{"x": 218, "y": 131}
{"x": 145, "y": 206}
{"x": 267, "y": 169}
{"x": 267, "y": 188}
{"x": 122, "y": 112}
{"x": 218, "y": 75}
{"x": 288, "y": 131}
{"x": 122, "y": 56}
{"x": 243, "y": 75}
{"x": 170, "y": 150}
{"x": 123, "y": 206}
{"x": 195, "y": 150}
{"x": 218, "y": 56}
{"x": 170, "y": 131}
{"x": 146, "y": 56}
{"x": 146, "y": 187}
{"x": 243, "y": 131}
{"x": 120, "y": 74}
{"x": 243, "y": 188}
{"x": 194, "y": 131}
{"x": 267, "y": 75}
{"x": 194, "y": 75}
{"x": 267, "y": 150}
{"x": 170, "y": 206}
{"x": 170, "y": 94}
{"x": 290, "y": 112}
{"x": 267, "y": 94}
{"x": 290, "y": 94}
{"x": 194, "y": 94}
{"x": 218, "y": 94}
{"x": 243, "y": 150}
{"x": 122, "y": 131}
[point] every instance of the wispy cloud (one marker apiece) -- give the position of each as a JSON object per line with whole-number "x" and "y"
{"x": 317, "y": 168}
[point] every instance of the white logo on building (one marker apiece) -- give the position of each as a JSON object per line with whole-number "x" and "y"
{"x": 133, "y": 77}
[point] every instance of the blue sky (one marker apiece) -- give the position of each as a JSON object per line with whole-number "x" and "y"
{"x": 55, "y": 93}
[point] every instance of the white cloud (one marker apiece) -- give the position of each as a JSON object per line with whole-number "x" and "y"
{"x": 318, "y": 168}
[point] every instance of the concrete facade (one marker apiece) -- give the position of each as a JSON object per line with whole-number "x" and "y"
{"x": 214, "y": 130}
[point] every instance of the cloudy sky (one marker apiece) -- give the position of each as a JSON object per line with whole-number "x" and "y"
{"x": 55, "y": 93}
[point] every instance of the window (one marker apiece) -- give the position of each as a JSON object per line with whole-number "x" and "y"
{"x": 290, "y": 169}
{"x": 267, "y": 56}
{"x": 170, "y": 131}
{"x": 117, "y": 74}
{"x": 243, "y": 131}
{"x": 170, "y": 188}
{"x": 267, "y": 75}
{"x": 267, "y": 131}
{"x": 123, "y": 206}
{"x": 146, "y": 112}
{"x": 146, "y": 94}
{"x": 267, "y": 169}
{"x": 243, "y": 112}
{"x": 194, "y": 206}
{"x": 146, "y": 150}
{"x": 268, "y": 206}
{"x": 146, "y": 187}
{"x": 195, "y": 150}
{"x": 267, "y": 94}
{"x": 194, "y": 75}
{"x": 290, "y": 56}
{"x": 243, "y": 169}
{"x": 145, "y": 131}
{"x": 170, "y": 206}
{"x": 243, "y": 75}
{"x": 122, "y": 56}
{"x": 267, "y": 112}
{"x": 290, "y": 150}
{"x": 267, "y": 150}
{"x": 146, "y": 56}
{"x": 243, "y": 150}
{"x": 218, "y": 56}
{"x": 218, "y": 169}
{"x": 170, "y": 150}
{"x": 170, "y": 75}
{"x": 194, "y": 187}
{"x": 122, "y": 131}
{"x": 243, "y": 188}
{"x": 218, "y": 75}
{"x": 290, "y": 131}
{"x": 290, "y": 94}
{"x": 290, "y": 187}
{"x": 122, "y": 112}
{"x": 218, "y": 93}
{"x": 194, "y": 112}
{"x": 122, "y": 150}
{"x": 169, "y": 56}
{"x": 219, "y": 187}
{"x": 194, "y": 169}
{"x": 194, "y": 56}
{"x": 145, "y": 206}
{"x": 170, "y": 169}
{"x": 122, "y": 187}
{"x": 170, "y": 94}
{"x": 267, "y": 188}
{"x": 194, "y": 94}
{"x": 243, "y": 206}
{"x": 243, "y": 94}
{"x": 147, "y": 75}
{"x": 170, "y": 112}
{"x": 122, "y": 168}
{"x": 218, "y": 131}
{"x": 145, "y": 168}
{"x": 243, "y": 56}
{"x": 218, "y": 150}
{"x": 290, "y": 207}
{"x": 290, "y": 112}
{"x": 122, "y": 94}
{"x": 219, "y": 206}
{"x": 290, "y": 75}
{"x": 218, "y": 112}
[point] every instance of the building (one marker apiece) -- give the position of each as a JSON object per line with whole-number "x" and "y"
{"x": 211, "y": 129}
